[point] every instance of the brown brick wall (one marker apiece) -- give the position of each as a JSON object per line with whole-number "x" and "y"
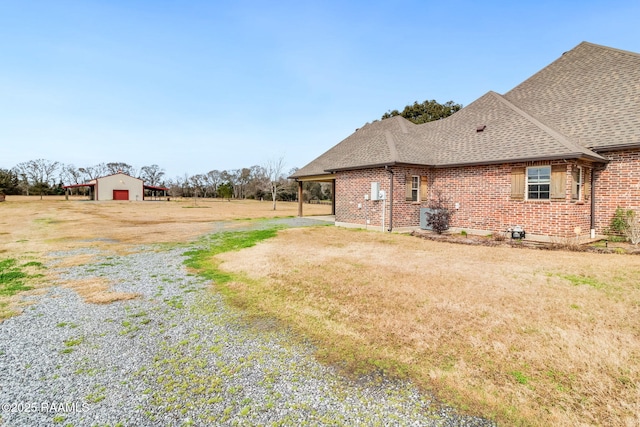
{"x": 485, "y": 203}
{"x": 351, "y": 187}
{"x": 617, "y": 185}
{"x": 482, "y": 192}
{"x": 484, "y": 197}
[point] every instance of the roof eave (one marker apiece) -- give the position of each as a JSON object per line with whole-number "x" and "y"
{"x": 359, "y": 167}
{"x": 92, "y": 184}
{"x": 324, "y": 177}
{"x": 576, "y": 156}
{"x": 617, "y": 147}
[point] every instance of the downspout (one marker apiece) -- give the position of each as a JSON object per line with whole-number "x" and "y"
{"x": 593, "y": 204}
{"x": 390, "y": 198}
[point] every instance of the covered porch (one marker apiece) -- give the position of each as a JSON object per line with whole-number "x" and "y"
{"x": 91, "y": 186}
{"x": 153, "y": 192}
{"x": 329, "y": 178}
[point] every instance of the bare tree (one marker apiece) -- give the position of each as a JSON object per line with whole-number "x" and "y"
{"x": 212, "y": 180}
{"x": 93, "y": 172}
{"x": 197, "y": 182}
{"x": 175, "y": 187}
{"x": 184, "y": 184}
{"x": 115, "y": 167}
{"x": 244, "y": 175}
{"x": 70, "y": 175}
{"x": 255, "y": 185}
{"x": 152, "y": 175}
{"x": 273, "y": 171}
{"x": 39, "y": 173}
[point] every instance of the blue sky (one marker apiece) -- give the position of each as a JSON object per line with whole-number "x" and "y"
{"x": 199, "y": 85}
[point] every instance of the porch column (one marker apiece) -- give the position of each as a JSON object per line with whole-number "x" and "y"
{"x": 333, "y": 197}
{"x": 299, "y": 198}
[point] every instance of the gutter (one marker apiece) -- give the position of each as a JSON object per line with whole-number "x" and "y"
{"x": 577, "y": 156}
{"x": 371, "y": 166}
{"x": 617, "y": 147}
{"x": 390, "y": 198}
{"x": 593, "y": 204}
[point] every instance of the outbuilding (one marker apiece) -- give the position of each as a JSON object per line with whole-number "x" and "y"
{"x": 118, "y": 186}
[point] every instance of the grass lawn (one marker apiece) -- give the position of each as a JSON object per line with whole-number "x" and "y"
{"x": 30, "y": 229}
{"x": 525, "y": 336}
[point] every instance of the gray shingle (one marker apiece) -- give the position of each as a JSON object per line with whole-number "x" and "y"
{"x": 591, "y": 94}
{"x": 588, "y": 98}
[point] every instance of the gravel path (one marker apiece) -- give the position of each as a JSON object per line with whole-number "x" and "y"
{"x": 178, "y": 356}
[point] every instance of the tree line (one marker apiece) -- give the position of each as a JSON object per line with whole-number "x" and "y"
{"x": 269, "y": 181}
{"x": 42, "y": 177}
{"x": 426, "y": 111}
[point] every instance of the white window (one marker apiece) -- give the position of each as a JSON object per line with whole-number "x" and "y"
{"x": 415, "y": 188}
{"x": 576, "y": 183}
{"x": 538, "y": 182}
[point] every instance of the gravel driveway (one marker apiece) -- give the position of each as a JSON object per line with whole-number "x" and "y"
{"x": 178, "y": 356}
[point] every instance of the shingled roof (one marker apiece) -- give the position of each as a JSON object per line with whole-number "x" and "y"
{"x": 591, "y": 94}
{"x": 587, "y": 100}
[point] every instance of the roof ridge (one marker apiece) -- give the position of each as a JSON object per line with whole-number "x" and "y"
{"x": 119, "y": 173}
{"x": 393, "y": 151}
{"x": 403, "y": 125}
{"x": 560, "y": 137}
{"x": 609, "y": 48}
{"x": 551, "y": 64}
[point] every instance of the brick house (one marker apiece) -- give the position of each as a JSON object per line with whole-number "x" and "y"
{"x": 556, "y": 155}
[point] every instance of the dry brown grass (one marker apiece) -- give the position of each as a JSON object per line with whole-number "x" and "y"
{"x": 29, "y": 224}
{"x": 529, "y": 337}
{"x": 31, "y": 228}
{"x": 98, "y": 291}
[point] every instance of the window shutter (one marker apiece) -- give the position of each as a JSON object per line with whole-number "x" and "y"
{"x": 517, "y": 183}
{"x": 424, "y": 189}
{"x": 407, "y": 188}
{"x": 558, "y": 181}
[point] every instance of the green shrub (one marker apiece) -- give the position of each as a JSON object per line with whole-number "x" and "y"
{"x": 625, "y": 222}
